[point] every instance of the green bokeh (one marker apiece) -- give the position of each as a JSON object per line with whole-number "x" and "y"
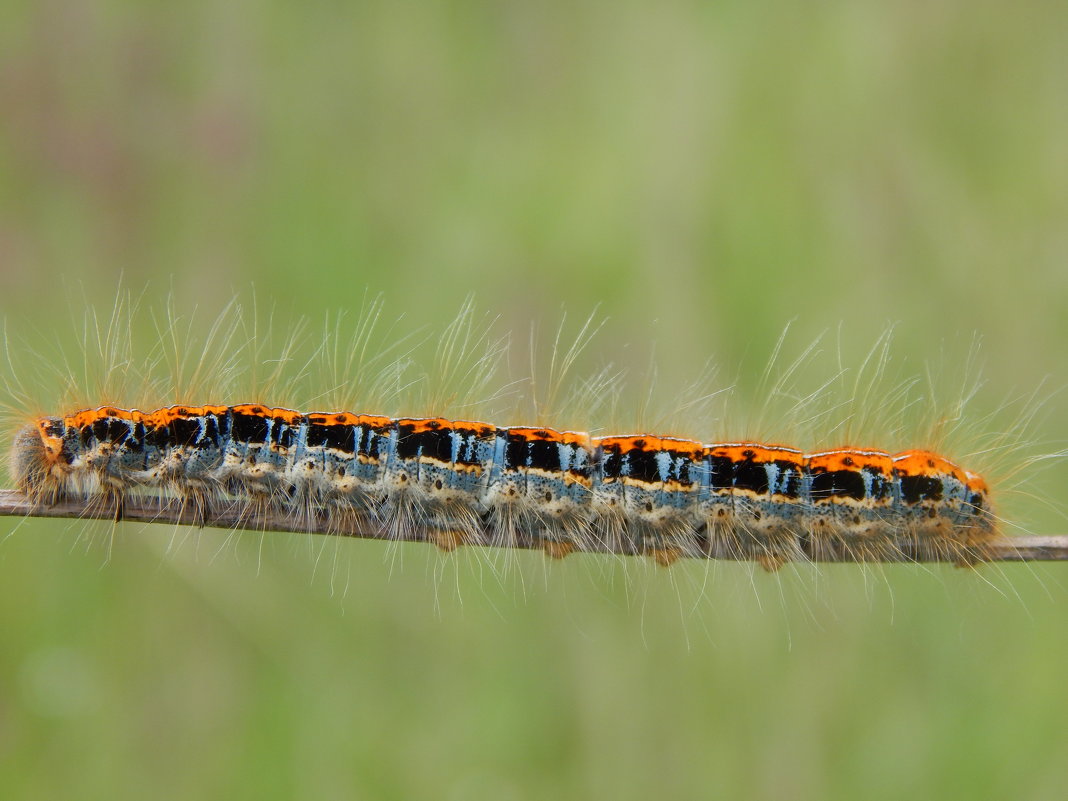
{"x": 701, "y": 173}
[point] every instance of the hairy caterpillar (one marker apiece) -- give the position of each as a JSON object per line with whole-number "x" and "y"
{"x": 565, "y": 490}
{"x": 460, "y": 481}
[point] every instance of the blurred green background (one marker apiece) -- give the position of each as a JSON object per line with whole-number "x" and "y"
{"x": 704, "y": 172}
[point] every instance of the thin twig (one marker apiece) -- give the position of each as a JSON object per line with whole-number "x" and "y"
{"x": 149, "y": 509}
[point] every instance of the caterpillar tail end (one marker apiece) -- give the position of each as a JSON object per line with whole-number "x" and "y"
{"x": 34, "y": 461}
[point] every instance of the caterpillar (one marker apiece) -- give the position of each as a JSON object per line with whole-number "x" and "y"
{"x": 464, "y": 473}
{"x": 452, "y": 481}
